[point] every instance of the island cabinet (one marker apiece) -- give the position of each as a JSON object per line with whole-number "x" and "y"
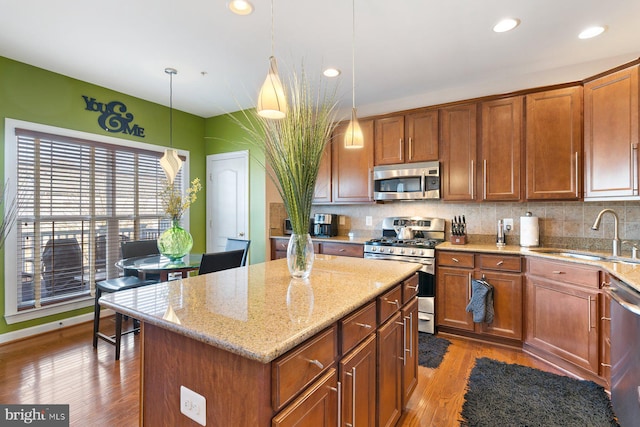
{"x": 553, "y": 133}
{"x": 501, "y": 149}
{"x": 611, "y": 135}
{"x": 345, "y": 173}
{"x": 407, "y": 138}
{"x": 279, "y": 247}
{"x": 455, "y": 273}
{"x": 563, "y": 314}
{"x": 458, "y": 137}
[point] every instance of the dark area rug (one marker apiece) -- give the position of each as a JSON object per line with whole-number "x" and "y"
{"x": 431, "y": 350}
{"x": 502, "y": 394}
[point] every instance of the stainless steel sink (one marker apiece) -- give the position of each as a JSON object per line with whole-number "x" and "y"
{"x": 571, "y": 254}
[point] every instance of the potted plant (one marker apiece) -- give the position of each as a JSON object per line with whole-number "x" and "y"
{"x": 293, "y": 149}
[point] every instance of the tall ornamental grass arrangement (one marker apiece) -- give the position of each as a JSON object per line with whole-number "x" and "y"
{"x": 293, "y": 146}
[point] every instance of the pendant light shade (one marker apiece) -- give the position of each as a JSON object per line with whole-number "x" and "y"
{"x": 353, "y": 137}
{"x": 272, "y": 102}
{"x": 170, "y": 161}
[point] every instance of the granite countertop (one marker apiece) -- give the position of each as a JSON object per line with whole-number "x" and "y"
{"x": 259, "y": 311}
{"x": 337, "y": 239}
{"x": 628, "y": 272}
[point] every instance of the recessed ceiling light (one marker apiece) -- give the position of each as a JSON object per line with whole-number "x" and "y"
{"x": 331, "y": 72}
{"x": 591, "y": 32}
{"x": 240, "y": 7}
{"x": 507, "y": 24}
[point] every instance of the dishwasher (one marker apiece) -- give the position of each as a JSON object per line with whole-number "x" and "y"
{"x": 625, "y": 352}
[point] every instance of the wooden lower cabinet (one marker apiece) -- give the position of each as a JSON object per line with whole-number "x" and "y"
{"x": 390, "y": 349}
{"x": 455, "y": 273}
{"x": 357, "y": 373}
{"x": 279, "y": 248}
{"x": 563, "y": 320}
{"x": 316, "y": 407}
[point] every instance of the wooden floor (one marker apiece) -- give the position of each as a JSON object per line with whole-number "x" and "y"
{"x": 63, "y": 368}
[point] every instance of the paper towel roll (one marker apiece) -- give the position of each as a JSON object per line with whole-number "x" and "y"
{"x": 529, "y": 231}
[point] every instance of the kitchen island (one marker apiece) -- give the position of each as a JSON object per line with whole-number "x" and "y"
{"x": 256, "y": 343}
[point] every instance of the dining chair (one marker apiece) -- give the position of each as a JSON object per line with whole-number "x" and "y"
{"x": 130, "y": 280}
{"x": 218, "y": 261}
{"x": 233, "y": 244}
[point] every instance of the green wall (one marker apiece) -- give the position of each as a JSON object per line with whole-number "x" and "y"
{"x": 223, "y": 135}
{"x": 36, "y": 95}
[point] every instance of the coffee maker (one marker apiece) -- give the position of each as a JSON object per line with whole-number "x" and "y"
{"x": 325, "y": 225}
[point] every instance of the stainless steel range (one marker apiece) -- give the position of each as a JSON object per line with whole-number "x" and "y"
{"x": 412, "y": 239}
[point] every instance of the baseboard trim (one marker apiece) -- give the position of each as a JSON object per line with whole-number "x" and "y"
{"x": 51, "y": 326}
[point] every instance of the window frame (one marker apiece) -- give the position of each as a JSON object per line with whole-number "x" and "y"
{"x": 11, "y": 313}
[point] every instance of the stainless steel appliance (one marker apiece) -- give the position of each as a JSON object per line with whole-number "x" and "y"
{"x": 412, "y": 181}
{"x": 427, "y": 233}
{"x": 325, "y": 225}
{"x": 625, "y": 352}
{"x": 288, "y": 229}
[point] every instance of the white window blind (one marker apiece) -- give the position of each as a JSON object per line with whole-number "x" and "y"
{"x": 78, "y": 199}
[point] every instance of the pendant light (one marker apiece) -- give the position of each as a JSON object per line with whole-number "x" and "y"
{"x": 170, "y": 161}
{"x": 272, "y": 103}
{"x": 353, "y": 137}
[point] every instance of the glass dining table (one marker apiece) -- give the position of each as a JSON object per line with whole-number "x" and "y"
{"x": 159, "y": 264}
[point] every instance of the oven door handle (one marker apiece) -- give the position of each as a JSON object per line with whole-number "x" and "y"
{"x": 615, "y": 293}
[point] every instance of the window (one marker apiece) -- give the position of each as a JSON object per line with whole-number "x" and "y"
{"x": 78, "y": 198}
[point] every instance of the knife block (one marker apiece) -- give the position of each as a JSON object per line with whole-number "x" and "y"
{"x": 458, "y": 240}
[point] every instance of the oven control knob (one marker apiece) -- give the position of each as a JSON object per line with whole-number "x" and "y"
{"x": 390, "y": 250}
{"x": 373, "y": 249}
{"x": 381, "y": 250}
{"x": 413, "y": 251}
{"x": 401, "y": 251}
{"x": 421, "y": 252}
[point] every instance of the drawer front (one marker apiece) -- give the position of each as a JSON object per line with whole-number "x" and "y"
{"x": 281, "y": 245}
{"x": 292, "y": 372}
{"x": 357, "y": 327}
{"x": 456, "y": 259}
{"x": 389, "y": 303}
{"x": 500, "y": 263}
{"x": 566, "y": 272}
{"x": 342, "y": 249}
{"x": 409, "y": 289}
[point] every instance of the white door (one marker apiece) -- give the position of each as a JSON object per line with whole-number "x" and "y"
{"x": 227, "y": 198}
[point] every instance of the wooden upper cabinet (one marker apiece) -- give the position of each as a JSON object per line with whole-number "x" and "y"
{"x": 352, "y": 168}
{"x": 458, "y": 136}
{"x": 389, "y": 141}
{"x": 611, "y": 135}
{"x": 554, "y": 144}
{"x": 501, "y": 146}
{"x": 422, "y": 136}
{"x": 322, "y": 192}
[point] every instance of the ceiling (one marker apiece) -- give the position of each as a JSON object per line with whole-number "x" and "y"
{"x": 408, "y": 53}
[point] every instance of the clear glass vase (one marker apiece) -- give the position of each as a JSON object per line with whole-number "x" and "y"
{"x": 175, "y": 242}
{"x": 300, "y": 255}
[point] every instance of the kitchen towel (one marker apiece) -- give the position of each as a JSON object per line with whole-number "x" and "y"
{"x": 529, "y": 231}
{"x": 481, "y": 303}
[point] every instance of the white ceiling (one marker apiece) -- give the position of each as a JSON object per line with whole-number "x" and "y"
{"x": 409, "y": 53}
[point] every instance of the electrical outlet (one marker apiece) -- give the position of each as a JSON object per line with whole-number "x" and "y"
{"x": 508, "y": 224}
{"x": 193, "y": 405}
{"x": 368, "y": 220}
{"x": 341, "y": 219}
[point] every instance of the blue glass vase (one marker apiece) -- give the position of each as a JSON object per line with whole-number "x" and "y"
{"x": 175, "y": 242}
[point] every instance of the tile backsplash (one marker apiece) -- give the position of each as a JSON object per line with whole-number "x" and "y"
{"x": 562, "y": 224}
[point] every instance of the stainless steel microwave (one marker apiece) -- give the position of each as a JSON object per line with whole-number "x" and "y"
{"x": 411, "y": 181}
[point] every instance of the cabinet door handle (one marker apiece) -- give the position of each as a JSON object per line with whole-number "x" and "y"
{"x": 341, "y": 250}
{"x": 352, "y": 374}
{"x": 410, "y": 318}
{"x": 393, "y": 302}
{"x": 473, "y": 179}
{"x": 606, "y": 319}
{"x": 605, "y": 365}
{"x": 634, "y": 157}
{"x": 410, "y": 148}
{"x": 339, "y": 391}
{"x": 499, "y": 263}
{"x": 577, "y": 176}
{"x": 557, "y": 272}
{"x": 469, "y": 288}
{"x": 484, "y": 179}
{"x": 316, "y": 362}
{"x": 455, "y": 260}
{"x": 401, "y": 150}
{"x": 589, "y": 312}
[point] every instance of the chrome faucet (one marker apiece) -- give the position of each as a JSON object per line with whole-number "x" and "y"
{"x": 616, "y": 237}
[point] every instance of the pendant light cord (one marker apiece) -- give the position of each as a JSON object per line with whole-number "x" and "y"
{"x": 272, "y": 29}
{"x": 353, "y": 52}
{"x": 171, "y": 109}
